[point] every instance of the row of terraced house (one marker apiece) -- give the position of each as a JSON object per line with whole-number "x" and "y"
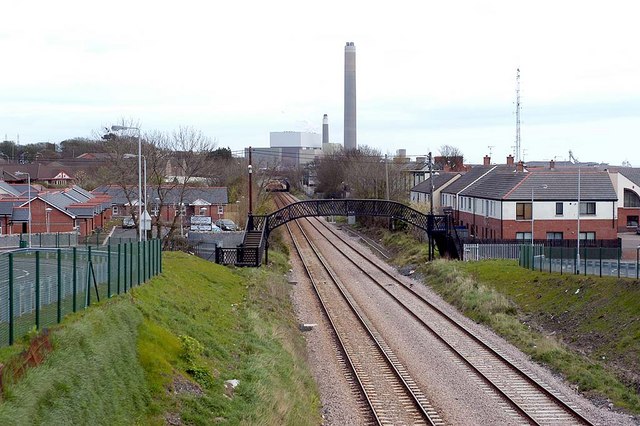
{"x": 511, "y": 201}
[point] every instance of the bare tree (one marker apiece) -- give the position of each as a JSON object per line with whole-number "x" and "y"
{"x": 188, "y": 166}
{"x": 122, "y": 168}
{"x": 450, "y": 157}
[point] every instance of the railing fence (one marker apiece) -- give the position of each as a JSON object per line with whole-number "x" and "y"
{"x": 599, "y": 261}
{"x": 39, "y": 287}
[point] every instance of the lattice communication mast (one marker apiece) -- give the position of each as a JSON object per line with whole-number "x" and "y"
{"x": 518, "y": 107}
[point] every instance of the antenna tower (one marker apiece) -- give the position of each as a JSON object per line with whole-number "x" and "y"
{"x": 518, "y": 108}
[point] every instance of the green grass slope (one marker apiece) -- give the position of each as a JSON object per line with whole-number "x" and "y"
{"x": 92, "y": 376}
{"x": 162, "y": 354}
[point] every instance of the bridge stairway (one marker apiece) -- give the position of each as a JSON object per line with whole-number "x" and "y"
{"x": 252, "y": 239}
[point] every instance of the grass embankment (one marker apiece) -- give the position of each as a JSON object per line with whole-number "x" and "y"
{"x": 585, "y": 328}
{"x": 162, "y": 353}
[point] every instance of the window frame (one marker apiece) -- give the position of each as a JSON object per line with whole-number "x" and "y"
{"x": 560, "y": 210}
{"x": 587, "y": 211}
{"x": 524, "y": 236}
{"x": 523, "y": 214}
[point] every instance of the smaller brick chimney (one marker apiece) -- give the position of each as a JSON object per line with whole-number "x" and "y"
{"x": 552, "y": 164}
{"x": 520, "y": 167}
{"x": 510, "y": 160}
{"x": 487, "y": 160}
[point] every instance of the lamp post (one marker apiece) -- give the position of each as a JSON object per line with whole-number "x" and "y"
{"x": 532, "y": 228}
{"x": 250, "y": 213}
{"x": 144, "y": 195}
{"x": 48, "y": 217}
{"x": 115, "y": 129}
{"x": 578, "y": 240}
{"x": 28, "y": 201}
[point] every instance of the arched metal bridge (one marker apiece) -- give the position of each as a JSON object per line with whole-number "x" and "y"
{"x": 438, "y": 227}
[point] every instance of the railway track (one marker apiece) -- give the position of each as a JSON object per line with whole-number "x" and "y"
{"x": 388, "y": 394}
{"x": 524, "y": 394}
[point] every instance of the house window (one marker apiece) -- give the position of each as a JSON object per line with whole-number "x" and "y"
{"x": 587, "y": 236}
{"x": 523, "y": 211}
{"x": 631, "y": 199}
{"x": 523, "y": 236}
{"x": 632, "y": 221}
{"x": 588, "y": 208}
{"x": 554, "y": 235}
{"x": 155, "y": 209}
{"x": 559, "y": 209}
{"x": 220, "y": 210}
{"x": 114, "y": 210}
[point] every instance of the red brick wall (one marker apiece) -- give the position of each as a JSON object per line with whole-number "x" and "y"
{"x": 486, "y": 227}
{"x": 622, "y": 217}
{"x": 58, "y": 221}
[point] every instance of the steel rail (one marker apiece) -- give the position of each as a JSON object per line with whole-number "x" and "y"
{"x": 414, "y": 397}
{"x": 341, "y": 344}
{"x": 563, "y": 405}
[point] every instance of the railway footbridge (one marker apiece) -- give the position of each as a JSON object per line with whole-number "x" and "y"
{"x": 439, "y": 228}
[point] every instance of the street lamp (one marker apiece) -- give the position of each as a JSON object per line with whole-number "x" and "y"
{"x": 48, "y": 211}
{"x": 145, "y": 192}
{"x": 28, "y": 201}
{"x": 115, "y": 129}
{"x": 578, "y": 240}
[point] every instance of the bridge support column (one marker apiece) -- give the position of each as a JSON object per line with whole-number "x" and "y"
{"x": 266, "y": 251}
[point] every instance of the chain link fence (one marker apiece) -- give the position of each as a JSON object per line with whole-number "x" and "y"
{"x": 38, "y": 287}
{"x": 601, "y": 261}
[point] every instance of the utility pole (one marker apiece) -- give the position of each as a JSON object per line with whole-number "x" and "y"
{"x": 250, "y": 167}
{"x": 518, "y": 108}
{"x": 431, "y": 248}
{"x": 578, "y": 241}
{"x": 431, "y": 180}
{"x": 386, "y": 172}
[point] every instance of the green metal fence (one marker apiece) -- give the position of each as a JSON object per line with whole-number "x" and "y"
{"x": 39, "y": 287}
{"x": 601, "y": 261}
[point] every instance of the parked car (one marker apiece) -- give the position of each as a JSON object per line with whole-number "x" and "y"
{"x": 128, "y": 223}
{"x": 226, "y": 225}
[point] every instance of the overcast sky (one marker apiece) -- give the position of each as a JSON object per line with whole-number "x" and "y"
{"x": 428, "y": 73}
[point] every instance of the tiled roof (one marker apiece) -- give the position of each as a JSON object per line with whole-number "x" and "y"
{"x": 57, "y": 199}
{"x": 9, "y": 189}
{"x": 6, "y": 207}
{"x": 20, "y": 214}
{"x": 467, "y": 178}
{"x": 439, "y": 179}
{"x": 213, "y": 195}
{"x": 633, "y": 174}
{"x": 496, "y": 184}
{"x": 550, "y": 185}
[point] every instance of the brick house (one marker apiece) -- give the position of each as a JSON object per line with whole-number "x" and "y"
{"x": 421, "y": 193}
{"x": 508, "y": 201}
{"x": 626, "y": 181}
{"x": 69, "y": 210}
{"x": 169, "y": 203}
